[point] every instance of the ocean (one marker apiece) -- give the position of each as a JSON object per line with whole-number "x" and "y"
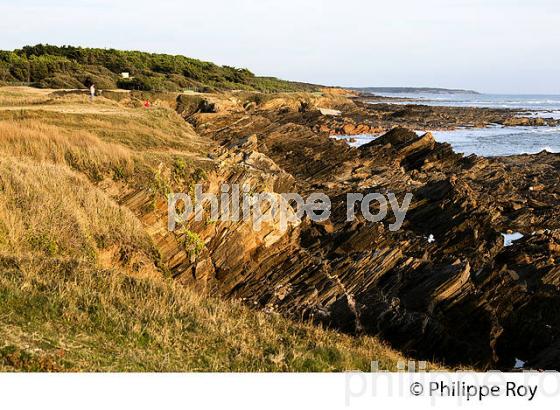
{"x": 547, "y": 104}
{"x": 495, "y": 140}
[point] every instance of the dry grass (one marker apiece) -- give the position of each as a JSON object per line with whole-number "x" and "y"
{"x": 121, "y": 144}
{"x": 50, "y": 210}
{"x": 81, "y": 98}
{"x": 62, "y": 315}
{"x": 80, "y": 149}
{"x": 80, "y": 287}
{"x": 137, "y": 129}
{"x": 14, "y": 96}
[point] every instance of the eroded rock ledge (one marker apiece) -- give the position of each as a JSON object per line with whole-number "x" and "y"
{"x": 443, "y": 287}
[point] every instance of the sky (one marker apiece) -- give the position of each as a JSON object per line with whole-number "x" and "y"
{"x": 494, "y": 46}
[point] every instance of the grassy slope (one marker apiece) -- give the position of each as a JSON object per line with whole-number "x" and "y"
{"x": 80, "y": 283}
{"x": 63, "y": 315}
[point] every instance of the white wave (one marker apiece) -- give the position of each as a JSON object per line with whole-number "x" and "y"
{"x": 538, "y": 150}
{"x": 355, "y": 140}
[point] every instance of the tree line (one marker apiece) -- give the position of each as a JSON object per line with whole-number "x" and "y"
{"x": 49, "y": 66}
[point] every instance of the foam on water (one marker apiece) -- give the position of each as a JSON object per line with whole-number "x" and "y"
{"x": 355, "y": 140}
{"x": 536, "y": 102}
{"x": 554, "y": 114}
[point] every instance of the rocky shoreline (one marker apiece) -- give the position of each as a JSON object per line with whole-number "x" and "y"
{"x": 444, "y": 287}
{"x": 364, "y": 117}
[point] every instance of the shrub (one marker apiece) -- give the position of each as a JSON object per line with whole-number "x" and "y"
{"x": 192, "y": 243}
{"x": 46, "y": 65}
{"x": 59, "y": 81}
{"x": 136, "y": 83}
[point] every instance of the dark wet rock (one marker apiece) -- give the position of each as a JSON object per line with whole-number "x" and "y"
{"x": 443, "y": 286}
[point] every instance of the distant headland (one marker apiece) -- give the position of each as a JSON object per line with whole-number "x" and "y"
{"x": 410, "y": 90}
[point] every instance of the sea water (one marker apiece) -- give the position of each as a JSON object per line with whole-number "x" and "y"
{"x": 494, "y": 140}
{"x": 530, "y": 102}
{"x": 500, "y": 141}
{"x": 487, "y": 142}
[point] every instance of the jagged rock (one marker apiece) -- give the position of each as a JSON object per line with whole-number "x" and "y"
{"x": 349, "y": 129}
{"x": 441, "y": 287}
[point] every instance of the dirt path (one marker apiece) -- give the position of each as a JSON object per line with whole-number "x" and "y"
{"x": 72, "y": 109}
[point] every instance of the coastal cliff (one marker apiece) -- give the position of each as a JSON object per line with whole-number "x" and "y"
{"x": 462, "y": 298}
{"x": 444, "y": 287}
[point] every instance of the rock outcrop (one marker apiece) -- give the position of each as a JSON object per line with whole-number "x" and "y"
{"x": 442, "y": 287}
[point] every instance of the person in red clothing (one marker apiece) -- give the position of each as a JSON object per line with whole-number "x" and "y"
{"x": 147, "y": 104}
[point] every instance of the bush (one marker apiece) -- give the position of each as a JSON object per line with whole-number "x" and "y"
{"x": 101, "y": 83}
{"x": 59, "y": 81}
{"x": 5, "y": 72}
{"x": 46, "y": 64}
{"x": 136, "y": 83}
{"x": 192, "y": 243}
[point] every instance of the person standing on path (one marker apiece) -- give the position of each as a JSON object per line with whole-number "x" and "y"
{"x": 91, "y": 92}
